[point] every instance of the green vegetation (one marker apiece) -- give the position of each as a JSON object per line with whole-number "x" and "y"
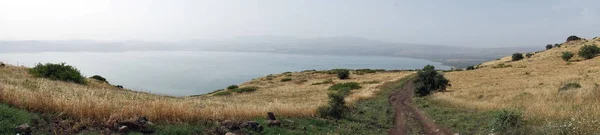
{"x": 567, "y": 56}
{"x": 286, "y": 79}
{"x": 589, "y": 51}
{"x": 245, "y": 89}
{"x": 501, "y": 65}
{"x": 517, "y": 56}
{"x": 335, "y": 108}
{"x": 471, "y": 68}
{"x": 328, "y": 81}
{"x": 556, "y": 45}
{"x": 231, "y": 87}
{"x": 223, "y": 93}
{"x": 11, "y": 118}
{"x": 345, "y": 88}
{"x": 180, "y": 129}
{"x": 569, "y": 86}
{"x": 549, "y": 46}
{"x": 507, "y": 121}
{"x": 528, "y": 55}
{"x": 59, "y": 72}
{"x": 99, "y": 78}
{"x": 428, "y": 81}
{"x": 367, "y": 71}
{"x": 343, "y": 73}
{"x": 573, "y": 38}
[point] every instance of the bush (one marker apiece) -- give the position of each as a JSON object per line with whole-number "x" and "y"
{"x": 517, "y": 56}
{"x": 328, "y": 81}
{"x": 231, "y": 87}
{"x": 60, "y": 72}
{"x": 245, "y": 89}
{"x": 286, "y": 79}
{"x": 506, "y": 120}
{"x": 428, "y": 80}
{"x": 224, "y": 93}
{"x": 528, "y": 55}
{"x": 556, "y": 45}
{"x": 350, "y": 85}
{"x": 342, "y": 73}
{"x": 549, "y": 46}
{"x": 335, "y": 106}
{"x": 471, "y": 68}
{"x": 589, "y": 51}
{"x": 567, "y": 56}
{"x": 573, "y": 38}
{"x": 569, "y": 86}
{"x": 99, "y": 78}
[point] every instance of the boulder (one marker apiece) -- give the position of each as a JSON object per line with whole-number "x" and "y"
{"x": 23, "y": 129}
{"x": 252, "y": 125}
{"x": 273, "y": 123}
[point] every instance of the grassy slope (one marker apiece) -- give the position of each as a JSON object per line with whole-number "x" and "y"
{"x": 11, "y": 117}
{"x": 529, "y": 86}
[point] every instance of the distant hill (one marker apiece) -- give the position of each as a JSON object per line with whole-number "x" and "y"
{"x": 448, "y": 55}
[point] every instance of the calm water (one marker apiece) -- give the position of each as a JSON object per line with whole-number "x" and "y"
{"x": 182, "y": 73}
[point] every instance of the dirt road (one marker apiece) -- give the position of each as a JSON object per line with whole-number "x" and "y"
{"x": 401, "y": 99}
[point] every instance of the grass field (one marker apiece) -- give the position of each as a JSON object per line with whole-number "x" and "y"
{"x": 532, "y": 86}
{"x": 98, "y": 102}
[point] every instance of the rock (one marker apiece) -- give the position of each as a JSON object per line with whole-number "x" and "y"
{"x": 252, "y": 125}
{"x": 123, "y": 129}
{"x": 229, "y": 133}
{"x": 231, "y": 125}
{"x": 271, "y": 116}
{"x": 139, "y": 124}
{"x": 24, "y": 129}
{"x": 273, "y": 123}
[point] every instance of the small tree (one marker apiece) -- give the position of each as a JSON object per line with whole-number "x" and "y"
{"x": 589, "y": 51}
{"x": 567, "y": 56}
{"x": 517, "y": 56}
{"x": 335, "y": 106}
{"x": 428, "y": 80}
{"x": 573, "y": 38}
{"x": 60, "y": 72}
{"x": 549, "y": 46}
{"x": 343, "y": 73}
{"x": 99, "y": 78}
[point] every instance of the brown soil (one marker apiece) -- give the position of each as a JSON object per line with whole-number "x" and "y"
{"x": 401, "y": 99}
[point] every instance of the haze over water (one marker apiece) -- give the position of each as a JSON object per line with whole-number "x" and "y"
{"x": 182, "y": 73}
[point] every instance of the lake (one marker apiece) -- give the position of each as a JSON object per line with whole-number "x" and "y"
{"x": 181, "y": 73}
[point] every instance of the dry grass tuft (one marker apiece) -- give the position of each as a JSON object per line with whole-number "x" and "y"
{"x": 532, "y": 85}
{"x": 106, "y": 104}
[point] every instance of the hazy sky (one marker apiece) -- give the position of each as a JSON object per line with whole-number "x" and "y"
{"x": 478, "y": 23}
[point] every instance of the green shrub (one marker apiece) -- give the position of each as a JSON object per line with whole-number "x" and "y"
{"x": 549, "y": 46}
{"x": 589, "y": 51}
{"x": 231, "y": 87}
{"x": 349, "y": 85}
{"x": 223, "y": 93}
{"x": 573, "y": 38}
{"x": 471, "y": 68}
{"x": 60, "y": 72}
{"x": 501, "y": 65}
{"x": 506, "y": 120}
{"x": 328, "y": 81}
{"x": 245, "y": 89}
{"x": 528, "y": 55}
{"x": 428, "y": 80}
{"x": 517, "y": 56}
{"x": 335, "y": 108}
{"x": 569, "y": 86}
{"x": 556, "y": 45}
{"x": 99, "y": 78}
{"x": 567, "y": 56}
{"x": 286, "y": 79}
{"x": 12, "y": 117}
{"x": 342, "y": 73}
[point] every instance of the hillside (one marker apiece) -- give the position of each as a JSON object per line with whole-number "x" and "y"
{"x": 532, "y": 86}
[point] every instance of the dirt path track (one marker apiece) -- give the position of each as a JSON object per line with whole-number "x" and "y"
{"x": 401, "y": 99}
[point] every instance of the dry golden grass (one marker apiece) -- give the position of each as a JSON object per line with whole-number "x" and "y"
{"x": 531, "y": 85}
{"x": 104, "y": 103}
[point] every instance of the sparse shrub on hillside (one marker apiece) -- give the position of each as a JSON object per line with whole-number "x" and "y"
{"x": 572, "y": 38}
{"x": 528, "y": 55}
{"x": 286, "y": 79}
{"x": 589, "y": 51}
{"x": 556, "y": 45}
{"x": 517, "y": 56}
{"x": 471, "y": 68}
{"x": 231, "y": 87}
{"x": 343, "y": 73}
{"x": 245, "y": 89}
{"x": 328, "y": 81}
{"x": 501, "y": 65}
{"x": 335, "y": 108}
{"x": 119, "y": 86}
{"x": 428, "y": 80}
{"x": 506, "y": 121}
{"x": 60, "y": 72}
{"x": 569, "y": 86}
{"x": 567, "y": 56}
{"x": 549, "y": 46}
{"x": 99, "y": 78}
{"x": 223, "y": 93}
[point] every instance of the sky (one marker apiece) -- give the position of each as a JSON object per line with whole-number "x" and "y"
{"x": 472, "y": 23}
